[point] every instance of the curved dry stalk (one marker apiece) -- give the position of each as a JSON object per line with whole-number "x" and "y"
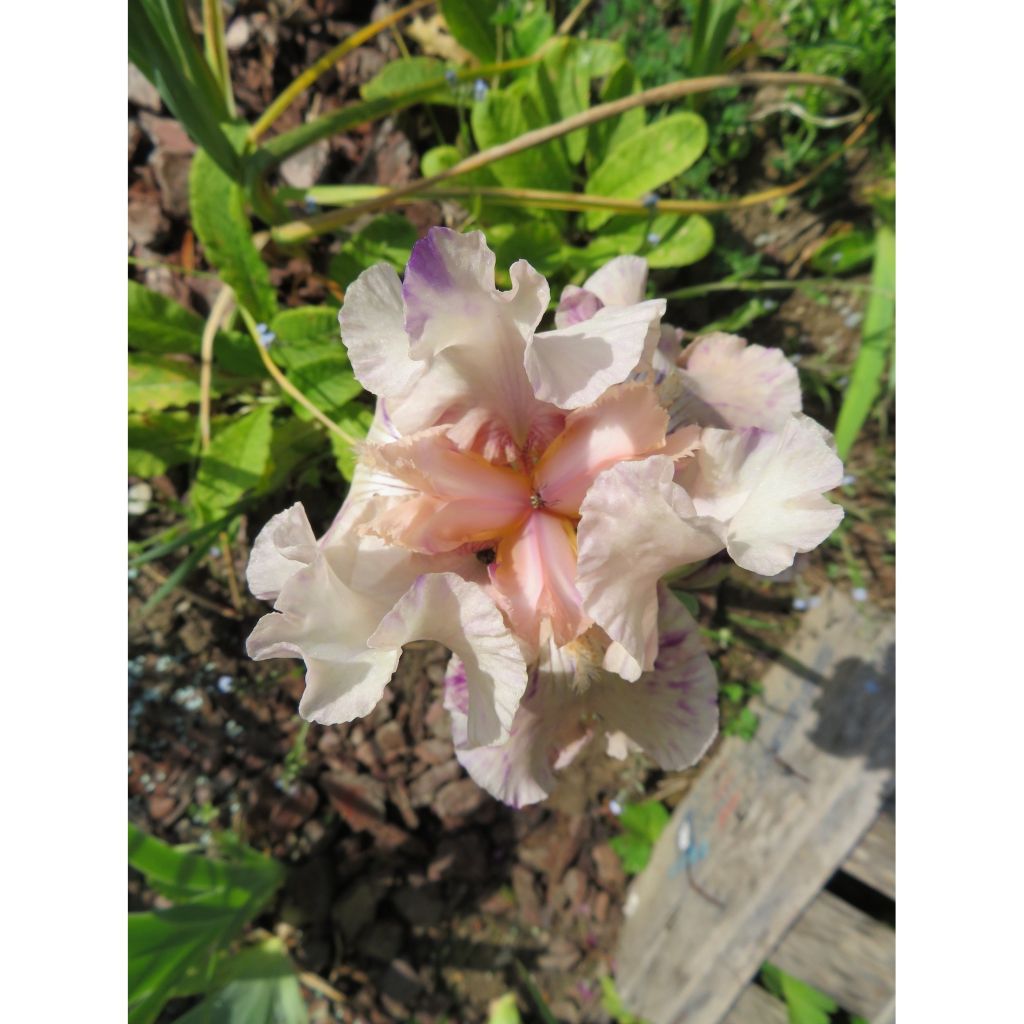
{"x": 310, "y": 227}
{"x": 572, "y": 17}
{"x": 289, "y": 388}
{"x": 218, "y": 314}
{"x": 324, "y": 64}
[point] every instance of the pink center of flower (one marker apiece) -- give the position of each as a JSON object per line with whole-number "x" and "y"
{"x": 526, "y": 510}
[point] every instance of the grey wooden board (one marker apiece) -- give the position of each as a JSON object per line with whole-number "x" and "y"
{"x": 873, "y": 860}
{"x": 769, "y": 821}
{"x": 841, "y": 951}
{"x": 757, "y": 1006}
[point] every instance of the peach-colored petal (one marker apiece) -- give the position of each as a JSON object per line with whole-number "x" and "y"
{"x": 636, "y": 525}
{"x": 445, "y": 608}
{"x": 625, "y": 423}
{"x": 728, "y": 383}
{"x": 534, "y": 574}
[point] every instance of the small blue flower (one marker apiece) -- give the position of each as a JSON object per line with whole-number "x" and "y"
{"x": 615, "y": 807}
{"x": 480, "y": 90}
{"x": 849, "y": 480}
{"x": 650, "y": 201}
{"x": 653, "y": 239}
{"x": 225, "y": 684}
{"x": 311, "y": 205}
{"x": 859, "y": 594}
{"x": 800, "y": 604}
{"x": 266, "y": 336}
{"x": 451, "y": 77}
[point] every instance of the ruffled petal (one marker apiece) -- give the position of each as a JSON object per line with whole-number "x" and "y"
{"x": 445, "y": 608}
{"x": 471, "y": 336}
{"x": 534, "y": 574}
{"x": 728, "y": 383}
{"x": 283, "y": 546}
{"x": 622, "y": 281}
{"x": 671, "y": 712}
{"x": 766, "y": 489}
{"x": 626, "y": 422}
{"x": 635, "y": 526}
{"x": 547, "y": 732}
{"x": 457, "y": 497}
{"x": 321, "y": 620}
{"x": 575, "y": 365}
{"x": 372, "y": 322}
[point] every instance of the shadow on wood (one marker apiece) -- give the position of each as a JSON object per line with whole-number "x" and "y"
{"x": 764, "y": 828}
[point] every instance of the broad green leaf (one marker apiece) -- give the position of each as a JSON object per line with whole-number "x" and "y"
{"x": 309, "y": 349}
{"x": 599, "y": 57}
{"x": 633, "y": 850}
{"x": 234, "y": 463}
{"x": 163, "y": 945}
{"x": 256, "y": 986}
{"x": 505, "y": 114}
{"x": 647, "y": 819}
{"x": 563, "y": 86}
{"x": 538, "y": 242}
{"x": 606, "y": 135}
{"x": 669, "y": 240}
{"x": 805, "y": 1005}
{"x": 471, "y": 23}
{"x": 159, "y": 324}
{"x": 386, "y": 239}
{"x": 180, "y": 873}
{"x": 844, "y": 253}
{"x": 877, "y": 340}
{"x": 295, "y": 452}
{"x": 646, "y": 160}
{"x": 220, "y": 221}
{"x": 158, "y": 441}
{"x": 356, "y": 419}
{"x": 409, "y": 73}
{"x": 155, "y": 382}
{"x": 530, "y": 32}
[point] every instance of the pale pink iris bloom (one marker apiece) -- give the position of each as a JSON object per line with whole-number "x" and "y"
{"x": 520, "y": 496}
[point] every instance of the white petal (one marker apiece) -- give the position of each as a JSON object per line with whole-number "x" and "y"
{"x": 445, "y": 608}
{"x": 728, "y": 383}
{"x": 575, "y": 304}
{"x": 283, "y": 546}
{"x": 636, "y": 525}
{"x": 620, "y": 282}
{"x": 319, "y": 619}
{"x": 574, "y": 366}
{"x": 767, "y": 490}
{"x": 547, "y": 732}
{"x": 372, "y": 322}
{"x": 671, "y": 712}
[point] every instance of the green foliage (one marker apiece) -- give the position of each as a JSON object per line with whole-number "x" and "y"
{"x": 409, "y": 73}
{"x": 175, "y": 951}
{"x": 159, "y": 441}
{"x": 642, "y": 824}
{"x": 611, "y": 1003}
{"x": 156, "y": 382}
{"x": 806, "y": 1005}
{"x": 219, "y": 218}
{"x": 233, "y": 465}
{"x": 504, "y": 1010}
{"x": 472, "y": 24}
{"x": 877, "y": 339}
{"x": 386, "y": 239}
{"x": 163, "y": 46}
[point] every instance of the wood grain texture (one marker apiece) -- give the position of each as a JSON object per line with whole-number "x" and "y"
{"x": 768, "y": 821}
{"x": 873, "y": 860}
{"x": 841, "y": 951}
{"x": 757, "y": 1006}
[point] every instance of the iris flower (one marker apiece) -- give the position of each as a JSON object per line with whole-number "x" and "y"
{"x": 522, "y": 495}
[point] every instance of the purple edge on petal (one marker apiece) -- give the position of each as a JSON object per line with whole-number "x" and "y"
{"x": 426, "y": 270}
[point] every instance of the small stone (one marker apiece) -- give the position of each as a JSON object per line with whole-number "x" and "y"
{"x": 526, "y": 895}
{"x": 419, "y": 905}
{"x": 433, "y": 751}
{"x": 383, "y": 941}
{"x": 171, "y": 171}
{"x": 422, "y": 791}
{"x": 141, "y": 91}
{"x": 356, "y": 908}
{"x": 607, "y": 867}
{"x": 459, "y": 799}
{"x": 139, "y": 496}
{"x": 401, "y": 984}
{"x": 165, "y": 133}
{"x": 305, "y": 168}
{"x": 238, "y": 33}
{"x": 390, "y": 740}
